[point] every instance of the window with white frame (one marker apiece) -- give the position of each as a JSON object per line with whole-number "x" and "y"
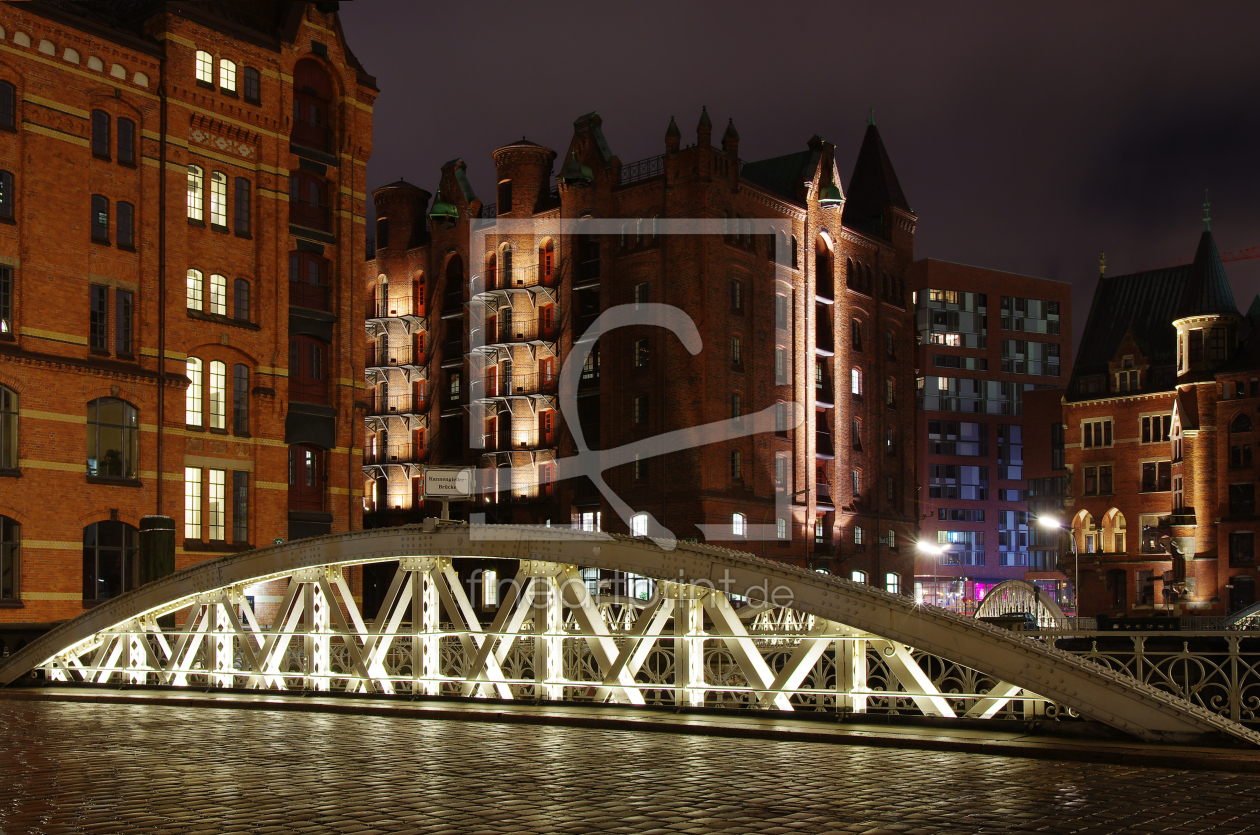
{"x": 205, "y": 67}
{"x": 739, "y": 524}
{"x": 639, "y": 524}
{"x": 858, "y": 577}
{"x": 192, "y": 397}
{"x": 781, "y": 528}
{"x": 215, "y": 505}
{"x": 489, "y": 588}
{"x": 218, "y": 294}
{"x": 780, "y": 470}
{"x": 196, "y": 198}
{"x": 892, "y": 583}
{"x": 194, "y": 290}
{"x": 218, "y": 395}
{"x": 857, "y": 536}
{"x": 855, "y": 375}
{"x": 588, "y": 521}
{"x": 218, "y": 199}
{"x": 192, "y": 503}
{"x": 227, "y": 75}
{"x": 640, "y": 588}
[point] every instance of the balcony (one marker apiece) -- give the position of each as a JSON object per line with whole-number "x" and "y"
{"x": 521, "y": 276}
{"x": 519, "y": 330}
{"x": 398, "y": 404}
{"x": 494, "y": 385}
{"x": 310, "y": 296}
{"x": 310, "y": 135}
{"x": 822, "y": 494}
{"x": 453, "y": 304}
{"x": 587, "y": 273}
{"x": 404, "y": 453}
{"x": 823, "y": 447}
{"x": 452, "y": 352}
{"x": 309, "y": 215}
{"x": 824, "y": 394}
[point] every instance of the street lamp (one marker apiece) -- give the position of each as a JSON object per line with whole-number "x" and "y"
{"x": 1055, "y": 524}
{"x": 923, "y": 546}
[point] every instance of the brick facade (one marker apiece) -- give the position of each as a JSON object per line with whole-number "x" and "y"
{"x": 986, "y": 339}
{"x": 113, "y": 101}
{"x": 641, "y": 381}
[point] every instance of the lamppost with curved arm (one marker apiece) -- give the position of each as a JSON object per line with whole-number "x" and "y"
{"x": 1056, "y": 524}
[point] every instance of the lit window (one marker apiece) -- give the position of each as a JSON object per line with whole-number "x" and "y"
{"x": 192, "y": 503}
{"x": 216, "y": 505}
{"x": 194, "y": 290}
{"x": 205, "y": 67}
{"x": 113, "y": 438}
{"x": 196, "y": 206}
{"x": 590, "y": 579}
{"x": 218, "y": 294}
{"x": 858, "y": 577}
{"x": 781, "y": 528}
{"x": 892, "y": 539}
{"x": 218, "y": 199}
{"x": 227, "y": 76}
{"x": 639, "y": 524}
{"x": 892, "y": 583}
{"x": 489, "y": 588}
{"x": 857, "y": 536}
{"x": 856, "y": 380}
{"x": 739, "y": 524}
{"x": 192, "y": 397}
{"x": 218, "y": 395}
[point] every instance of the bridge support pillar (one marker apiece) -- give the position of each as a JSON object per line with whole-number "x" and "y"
{"x": 688, "y": 644}
{"x": 851, "y": 675}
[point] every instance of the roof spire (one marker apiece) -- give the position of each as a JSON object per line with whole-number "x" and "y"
{"x": 1207, "y": 212}
{"x": 1102, "y": 264}
{"x": 870, "y": 120}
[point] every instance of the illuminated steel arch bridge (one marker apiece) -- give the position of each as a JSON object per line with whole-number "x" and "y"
{"x": 791, "y": 640}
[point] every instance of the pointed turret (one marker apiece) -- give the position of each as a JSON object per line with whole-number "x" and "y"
{"x": 1207, "y": 318}
{"x": 874, "y": 189}
{"x": 1208, "y": 292}
{"x": 704, "y": 130}
{"x": 730, "y": 139}
{"x": 673, "y": 137}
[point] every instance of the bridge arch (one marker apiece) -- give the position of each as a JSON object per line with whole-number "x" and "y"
{"x": 693, "y": 581}
{"x": 1011, "y": 597}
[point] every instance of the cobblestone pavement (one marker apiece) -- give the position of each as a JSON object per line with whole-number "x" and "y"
{"x": 102, "y": 768}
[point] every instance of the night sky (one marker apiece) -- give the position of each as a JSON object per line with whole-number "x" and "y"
{"x": 1027, "y": 137}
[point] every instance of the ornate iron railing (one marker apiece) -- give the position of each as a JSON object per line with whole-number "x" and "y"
{"x": 642, "y": 169}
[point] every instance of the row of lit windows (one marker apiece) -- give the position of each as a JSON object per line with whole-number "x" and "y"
{"x": 215, "y": 301}
{"x": 218, "y": 200}
{"x": 250, "y": 77}
{"x": 214, "y": 519}
{"x": 205, "y": 401}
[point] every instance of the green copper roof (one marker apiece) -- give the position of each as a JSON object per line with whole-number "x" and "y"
{"x": 780, "y": 175}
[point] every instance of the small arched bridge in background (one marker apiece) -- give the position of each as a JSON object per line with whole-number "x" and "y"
{"x": 717, "y": 628}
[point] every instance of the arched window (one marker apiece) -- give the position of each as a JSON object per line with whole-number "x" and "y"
{"x": 240, "y": 399}
{"x": 739, "y": 524}
{"x": 7, "y": 196}
{"x": 111, "y": 553}
{"x": 856, "y": 329}
{"x": 890, "y": 344}
{"x": 308, "y": 280}
{"x": 1242, "y": 423}
{"x": 113, "y": 438}
{"x": 312, "y": 91}
{"x": 100, "y": 134}
{"x": 8, "y": 428}
{"x": 307, "y": 469}
{"x": 737, "y": 464}
{"x": 100, "y": 218}
{"x": 655, "y": 218}
{"x": 856, "y": 381}
{"x": 506, "y": 265}
{"x": 892, "y": 583}
{"x": 737, "y": 407}
{"x": 196, "y": 185}
{"x": 192, "y": 396}
{"x": 10, "y": 558}
{"x": 218, "y": 294}
{"x": 547, "y": 263}
{"x": 253, "y": 86}
{"x": 126, "y": 142}
{"x": 638, "y": 231}
{"x": 639, "y": 524}
{"x": 858, "y": 577}
{"x": 205, "y": 67}
{"x": 240, "y": 299}
{"x": 8, "y": 106}
{"x": 218, "y": 199}
{"x": 217, "y": 391}
{"x": 195, "y": 290}
{"x": 227, "y": 75}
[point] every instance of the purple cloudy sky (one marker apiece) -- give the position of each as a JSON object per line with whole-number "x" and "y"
{"x": 1027, "y": 136}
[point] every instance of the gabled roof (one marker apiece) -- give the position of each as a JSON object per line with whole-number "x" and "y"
{"x": 1208, "y": 291}
{"x": 874, "y": 186}
{"x": 1144, "y": 303}
{"x": 782, "y": 175}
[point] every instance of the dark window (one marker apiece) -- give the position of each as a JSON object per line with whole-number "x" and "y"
{"x": 382, "y": 233}
{"x": 1196, "y": 345}
{"x": 100, "y": 218}
{"x": 240, "y": 506}
{"x": 240, "y": 299}
{"x": 113, "y": 438}
{"x": 1242, "y": 549}
{"x": 8, "y": 106}
{"x": 505, "y": 197}
{"x": 126, "y": 225}
{"x": 124, "y": 313}
{"x": 253, "y": 86}
{"x": 110, "y": 559}
{"x": 306, "y": 370}
{"x": 243, "y": 203}
{"x": 98, "y": 320}
{"x": 737, "y": 295}
{"x": 6, "y": 302}
{"x": 8, "y": 428}
{"x": 306, "y": 477}
{"x": 240, "y": 399}
{"x": 307, "y": 206}
{"x": 1242, "y": 499}
{"x": 7, "y": 195}
{"x": 1156, "y": 476}
{"x": 10, "y": 558}
{"x": 308, "y": 284}
{"x": 312, "y": 91}
{"x": 100, "y": 134}
{"x": 857, "y": 335}
{"x": 795, "y": 253}
{"x": 126, "y": 142}
{"x": 641, "y": 409}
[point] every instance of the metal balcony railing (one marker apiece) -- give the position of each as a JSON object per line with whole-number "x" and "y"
{"x": 495, "y": 385}
{"x": 642, "y": 169}
{"x": 525, "y": 275}
{"x": 386, "y": 355}
{"x": 453, "y": 303}
{"x": 401, "y": 453}
{"x": 823, "y": 445}
{"x": 384, "y": 308}
{"x": 397, "y": 404}
{"x": 308, "y": 214}
{"x": 518, "y": 330}
{"x": 588, "y": 270}
{"x": 311, "y": 296}
{"x": 310, "y": 135}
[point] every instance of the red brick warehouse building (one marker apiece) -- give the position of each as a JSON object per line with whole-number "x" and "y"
{"x": 986, "y": 338}
{"x": 1160, "y": 423}
{"x": 181, "y": 193}
{"x": 819, "y": 314}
